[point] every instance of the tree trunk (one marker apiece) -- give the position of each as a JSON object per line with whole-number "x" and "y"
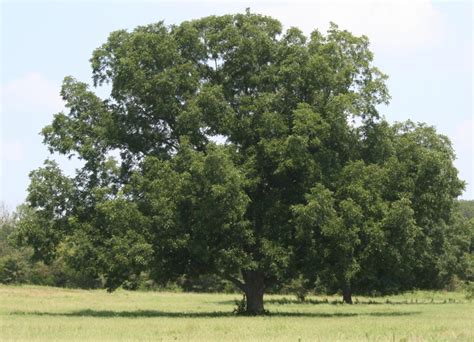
{"x": 347, "y": 294}
{"x": 254, "y": 289}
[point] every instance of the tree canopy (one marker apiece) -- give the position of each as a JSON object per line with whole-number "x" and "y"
{"x": 230, "y": 147}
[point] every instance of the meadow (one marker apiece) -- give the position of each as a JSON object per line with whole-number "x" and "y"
{"x": 35, "y": 313}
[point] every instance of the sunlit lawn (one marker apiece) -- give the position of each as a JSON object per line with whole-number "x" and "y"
{"x": 43, "y": 313}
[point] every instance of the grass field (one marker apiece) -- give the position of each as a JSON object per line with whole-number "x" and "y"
{"x": 33, "y": 313}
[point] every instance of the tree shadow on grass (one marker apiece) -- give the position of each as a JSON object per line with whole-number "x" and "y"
{"x": 211, "y": 314}
{"x": 285, "y": 301}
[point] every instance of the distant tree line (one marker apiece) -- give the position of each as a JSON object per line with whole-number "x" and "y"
{"x": 18, "y": 267}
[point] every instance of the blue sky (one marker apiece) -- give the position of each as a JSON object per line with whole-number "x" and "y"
{"x": 425, "y": 48}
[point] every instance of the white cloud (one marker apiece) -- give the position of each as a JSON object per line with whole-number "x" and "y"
{"x": 390, "y": 24}
{"x": 31, "y": 92}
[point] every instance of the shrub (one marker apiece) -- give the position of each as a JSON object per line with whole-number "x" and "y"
{"x": 12, "y": 270}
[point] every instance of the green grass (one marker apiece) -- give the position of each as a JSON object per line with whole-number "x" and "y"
{"x": 33, "y": 313}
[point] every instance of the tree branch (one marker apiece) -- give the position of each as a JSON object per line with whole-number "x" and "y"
{"x": 236, "y": 282}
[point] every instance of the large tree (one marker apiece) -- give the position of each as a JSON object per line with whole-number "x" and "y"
{"x": 229, "y": 147}
{"x": 390, "y": 222}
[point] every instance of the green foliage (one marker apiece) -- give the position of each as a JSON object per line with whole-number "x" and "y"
{"x": 299, "y": 287}
{"x": 470, "y": 291}
{"x": 208, "y": 283}
{"x": 241, "y": 306}
{"x": 466, "y": 208}
{"x": 12, "y": 270}
{"x": 18, "y": 264}
{"x": 390, "y": 225}
{"x": 293, "y": 188}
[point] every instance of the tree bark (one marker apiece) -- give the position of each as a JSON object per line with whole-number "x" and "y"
{"x": 347, "y": 294}
{"x": 254, "y": 289}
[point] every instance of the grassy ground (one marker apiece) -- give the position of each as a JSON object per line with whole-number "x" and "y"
{"x": 32, "y": 313}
